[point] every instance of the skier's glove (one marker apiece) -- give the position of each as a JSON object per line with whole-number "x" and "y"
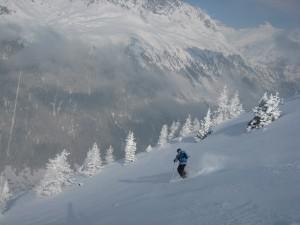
{"x": 174, "y": 160}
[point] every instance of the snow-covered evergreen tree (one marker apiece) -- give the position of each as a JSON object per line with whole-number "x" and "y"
{"x": 173, "y": 130}
{"x": 196, "y": 125}
{"x": 223, "y": 111}
{"x": 266, "y": 112}
{"x": 58, "y": 175}
{"x": 5, "y": 194}
{"x": 93, "y": 162}
{"x": 205, "y": 126}
{"x": 130, "y": 148}
{"x": 163, "y": 138}
{"x": 149, "y": 148}
{"x": 187, "y": 128}
{"x": 109, "y": 157}
{"x": 235, "y": 106}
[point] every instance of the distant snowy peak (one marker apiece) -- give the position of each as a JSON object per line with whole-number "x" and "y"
{"x": 162, "y": 6}
{"x": 162, "y": 32}
{"x": 171, "y": 8}
{"x": 176, "y": 10}
{"x": 155, "y": 6}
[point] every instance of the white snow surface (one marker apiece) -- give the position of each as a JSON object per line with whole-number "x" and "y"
{"x": 235, "y": 177}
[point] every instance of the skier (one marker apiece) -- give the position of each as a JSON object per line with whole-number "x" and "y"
{"x": 182, "y": 157}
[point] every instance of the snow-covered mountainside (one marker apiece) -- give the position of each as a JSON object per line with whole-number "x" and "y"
{"x": 161, "y": 31}
{"x": 235, "y": 178}
{"x": 92, "y": 70}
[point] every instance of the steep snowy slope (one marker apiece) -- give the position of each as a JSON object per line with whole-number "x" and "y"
{"x": 236, "y": 178}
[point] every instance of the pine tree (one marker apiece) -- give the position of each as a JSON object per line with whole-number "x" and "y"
{"x": 173, "y": 130}
{"x": 235, "y": 106}
{"x": 205, "y": 126}
{"x": 163, "y": 138}
{"x": 196, "y": 125}
{"x": 130, "y": 148}
{"x": 58, "y": 175}
{"x": 149, "y": 148}
{"x": 266, "y": 112}
{"x": 109, "y": 157}
{"x": 187, "y": 127}
{"x": 223, "y": 111}
{"x": 5, "y": 194}
{"x": 93, "y": 162}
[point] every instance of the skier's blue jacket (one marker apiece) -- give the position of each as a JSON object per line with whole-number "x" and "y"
{"x": 182, "y": 157}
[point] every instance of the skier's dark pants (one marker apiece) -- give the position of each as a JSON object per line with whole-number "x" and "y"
{"x": 181, "y": 171}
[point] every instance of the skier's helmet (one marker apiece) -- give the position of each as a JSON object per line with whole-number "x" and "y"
{"x": 178, "y": 149}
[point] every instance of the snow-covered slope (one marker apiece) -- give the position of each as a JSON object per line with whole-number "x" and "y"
{"x": 236, "y": 178}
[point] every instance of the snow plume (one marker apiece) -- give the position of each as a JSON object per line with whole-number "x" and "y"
{"x": 211, "y": 163}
